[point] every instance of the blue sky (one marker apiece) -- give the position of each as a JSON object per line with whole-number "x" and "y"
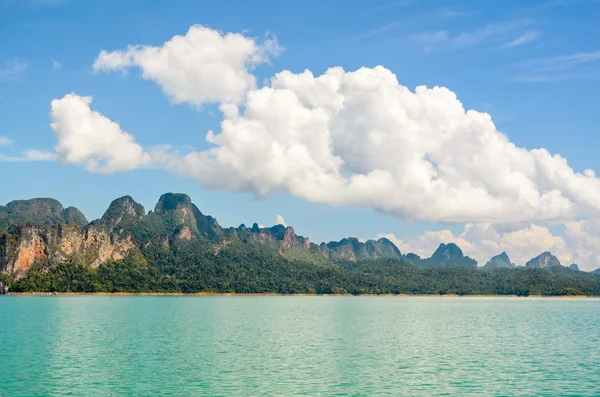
{"x": 533, "y": 66}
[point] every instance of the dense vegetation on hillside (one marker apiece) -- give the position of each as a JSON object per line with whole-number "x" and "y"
{"x": 243, "y": 269}
{"x": 179, "y": 249}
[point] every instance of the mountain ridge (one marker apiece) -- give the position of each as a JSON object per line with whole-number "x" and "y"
{"x": 176, "y": 218}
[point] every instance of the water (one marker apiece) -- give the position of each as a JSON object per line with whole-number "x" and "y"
{"x": 284, "y": 346}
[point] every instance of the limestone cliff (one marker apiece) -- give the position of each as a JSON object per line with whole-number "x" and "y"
{"x": 28, "y": 244}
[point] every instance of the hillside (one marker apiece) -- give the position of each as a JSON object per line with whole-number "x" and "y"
{"x": 176, "y": 247}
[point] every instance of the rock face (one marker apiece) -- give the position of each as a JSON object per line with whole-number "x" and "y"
{"x": 499, "y": 261}
{"x": 27, "y": 245}
{"x": 543, "y": 261}
{"x": 573, "y": 266}
{"x": 446, "y": 255}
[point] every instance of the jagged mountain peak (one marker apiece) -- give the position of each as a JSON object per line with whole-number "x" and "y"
{"x": 543, "y": 261}
{"x": 121, "y": 208}
{"x": 499, "y": 261}
{"x": 172, "y": 201}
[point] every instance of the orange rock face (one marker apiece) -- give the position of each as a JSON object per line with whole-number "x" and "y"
{"x": 29, "y": 250}
{"x": 93, "y": 246}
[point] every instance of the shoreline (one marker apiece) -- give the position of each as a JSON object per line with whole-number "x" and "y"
{"x": 268, "y": 294}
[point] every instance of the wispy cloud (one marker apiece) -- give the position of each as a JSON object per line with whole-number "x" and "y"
{"x": 378, "y": 30}
{"x": 525, "y": 38}
{"x": 442, "y": 39}
{"x": 29, "y": 155}
{"x": 578, "y": 65}
{"x": 55, "y": 65}
{"x": 5, "y": 141}
{"x": 13, "y": 70}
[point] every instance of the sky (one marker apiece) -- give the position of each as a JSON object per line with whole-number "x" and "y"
{"x": 425, "y": 122}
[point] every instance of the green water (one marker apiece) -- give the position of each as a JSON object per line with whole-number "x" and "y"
{"x": 284, "y": 346}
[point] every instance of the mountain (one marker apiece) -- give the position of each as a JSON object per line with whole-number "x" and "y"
{"x": 499, "y": 261}
{"x": 597, "y": 271}
{"x": 40, "y": 212}
{"x": 543, "y": 261}
{"x": 177, "y": 248}
{"x": 446, "y": 255}
{"x": 48, "y": 234}
{"x": 573, "y": 266}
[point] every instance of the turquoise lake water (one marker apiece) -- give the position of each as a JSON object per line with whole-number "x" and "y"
{"x": 287, "y": 346}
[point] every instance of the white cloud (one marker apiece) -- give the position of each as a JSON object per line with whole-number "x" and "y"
{"x": 482, "y": 241}
{"x": 355, "y": 138}
{"x": 88, "y": 138}
{"x": 279, "y": 220}
{"x": 5, "y": 141}
{"x": 203, "y": 66}
{"x": 55, "y": 65}
{"x": 525, "y": 38}
{"x": 29, "y": 155}
{"x": 360, "y": 138}
{"x": 584, "y": 237}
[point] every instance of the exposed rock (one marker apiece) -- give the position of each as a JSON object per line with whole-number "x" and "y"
{"x": 543, "y": 261}
{"x": 499, "y": 261}
{"x": 26, "y": 245}
{"x": 185, "y": 233}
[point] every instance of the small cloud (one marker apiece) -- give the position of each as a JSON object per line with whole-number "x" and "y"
{"x": 581, "y": 65}
{"x": 279, "y": 220}
{"x": 443, "y": 39}
{"x": 13, "y": 70}
{"x": 30, "y": 155}
{"x": 55, "y": 65}
{"x": 525, "y": 38}
{"x": 5, "y": 141}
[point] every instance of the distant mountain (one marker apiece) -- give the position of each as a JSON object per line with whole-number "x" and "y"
{"x": 446, "y": 255}
{"x": 543, "y": 261}
{"x": 573, "y": 266}
{"x": 597, "y": 271}
{"x": 499, "y": 261}
{"x": 176, "y": 247}
{"x": 40, "y": 212}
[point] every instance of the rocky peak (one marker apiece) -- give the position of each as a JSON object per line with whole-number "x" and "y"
{"x": 181, "y": 211}
{"x": 447, "y": 255}
{"x": 499, "y": 261}
{"x": 120, "y": 209}
{"x": 447, "y": 252}
{"x": 171, "y": 202}
{"x": 543, "y": 261}
{"x": 574, "y": 266}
